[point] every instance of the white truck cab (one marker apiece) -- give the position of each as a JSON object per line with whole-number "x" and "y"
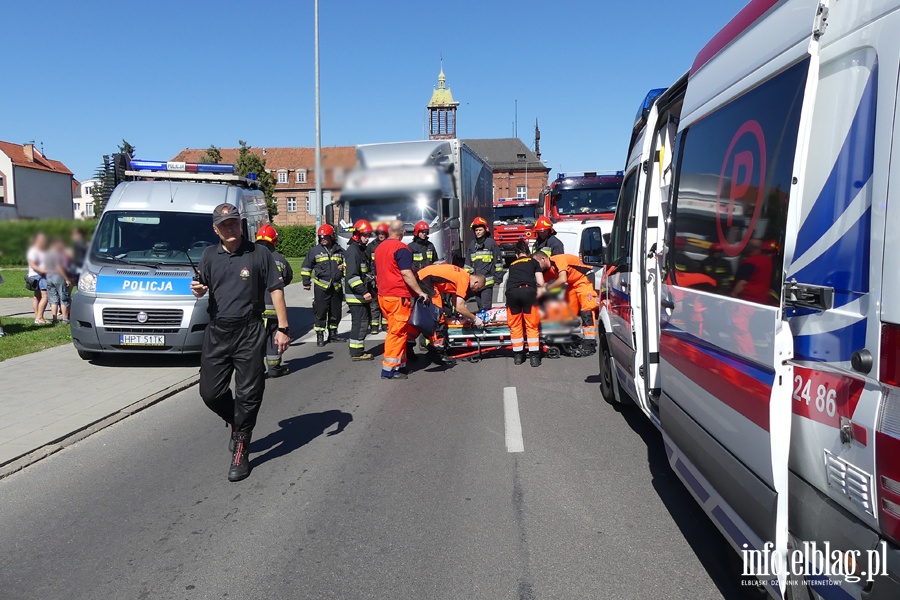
{"x": 752, "y": 306}
{"x": 134, "y": 291}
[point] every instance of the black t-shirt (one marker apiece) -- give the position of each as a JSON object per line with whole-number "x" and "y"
{"x": 522, "y": 271}
{"x": 229, "y": 277}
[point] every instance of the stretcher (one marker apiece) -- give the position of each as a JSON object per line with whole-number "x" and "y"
{"x": 561, "y": 333}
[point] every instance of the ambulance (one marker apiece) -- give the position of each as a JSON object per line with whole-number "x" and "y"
{"x": 751, "y": 304}
{"x": 134, "y": 292}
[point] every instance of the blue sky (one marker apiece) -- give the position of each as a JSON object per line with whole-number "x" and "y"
{"x": 166, "y": 75}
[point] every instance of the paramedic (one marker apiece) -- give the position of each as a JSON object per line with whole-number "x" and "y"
{"x": 484, "y": 257}
{"x": 267, "y": 237}
{"x": 524, "y": 284}
{"x": 397, "y": 286}
{"x": 449, "y": 286}
{"x": 580, "y": 293}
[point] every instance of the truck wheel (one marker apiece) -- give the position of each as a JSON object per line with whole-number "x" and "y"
{"x": 85, "y": 355}
{"x": 607, "y": 379}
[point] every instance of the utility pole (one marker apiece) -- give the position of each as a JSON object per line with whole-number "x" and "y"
{"x": 320, "y": 203}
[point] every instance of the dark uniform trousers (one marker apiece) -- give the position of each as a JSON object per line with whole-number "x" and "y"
{"x": 376, "y": 320}
{"x": 327, "y": 305}
{"x": 234, "y": 346}
{"x": 485, "y": 298}
{"x": 360, "y": 323}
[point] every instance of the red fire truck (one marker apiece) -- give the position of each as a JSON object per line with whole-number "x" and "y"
{"x": 513, "y": 220}
{"x": 582, "y": 195}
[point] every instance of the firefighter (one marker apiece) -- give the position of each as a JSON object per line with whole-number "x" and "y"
{"x": 267, "y": 237}
{"x": 524, "y": 284}
{"x": 546, "y": 237}
{"x": 568, "y": 270}
{"x": 324, "y": 265}
{"x": 423, "y": 251}
{"x": 359, "y": 283}
{"x": 449, "y": 286}
{"x": 483, "y": 257}
{"x": 378, "y": 321}
{"x": 397, "y": 285}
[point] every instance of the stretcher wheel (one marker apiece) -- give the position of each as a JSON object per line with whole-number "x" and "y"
{"x": 577, "y": 352}
{"x": 473, "y": 359}
{"x": 553, "y": 352}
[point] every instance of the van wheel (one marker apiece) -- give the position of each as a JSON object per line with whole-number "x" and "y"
{"x": 85, "y": 355}
{"x": 607, "y": 379}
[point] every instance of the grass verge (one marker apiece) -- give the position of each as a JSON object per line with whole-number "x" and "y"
{"x": 13, "y": 285}
{"x": 24, "y": 337}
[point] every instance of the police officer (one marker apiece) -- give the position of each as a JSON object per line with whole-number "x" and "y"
{"x": 483, "y": 257}
{"x": 546, "y": 237}
{"x": 358, "y": 285}
{"x": 236, "y": 273}
{"x": 423, "y": 251}
{"x": 267, "y": 237}
{"x": 324, "y": 264}
{"x": 378, "y": 322}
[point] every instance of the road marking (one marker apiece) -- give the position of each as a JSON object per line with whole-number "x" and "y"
{"x": 514, "y": 442}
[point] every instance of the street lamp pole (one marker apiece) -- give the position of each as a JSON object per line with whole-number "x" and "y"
{"x": 320, "y": 204}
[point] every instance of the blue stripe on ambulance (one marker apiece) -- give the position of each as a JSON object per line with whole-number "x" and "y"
{"x": 144, "y": 286}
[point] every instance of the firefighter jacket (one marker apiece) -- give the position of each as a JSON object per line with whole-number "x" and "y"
{"x": 424, "y": 253}
{"x": 484, "y": 258}
{"x": 359, "y": 277}
{"x": 552, "y": 242}
{"x": 287, "y": 274}
{"x": 323, "y": 266}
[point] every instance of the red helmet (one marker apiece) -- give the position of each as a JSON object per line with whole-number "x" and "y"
{"x": 382, "y": 228}
{"x": 420, "y": 226}
{"x": 267, "y": 233}
{"x": 362, "y": 226}
{"x": 543, "y": 224}
{"x": 324, "y": 230}
{"x": 479, "y": 222}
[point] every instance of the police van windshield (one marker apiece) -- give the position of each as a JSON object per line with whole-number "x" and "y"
{"x": 152, "y": 238}
{"x": 515, "y": 215}
{"x": 384, "y": 210}
{"x": 587, "y": 201}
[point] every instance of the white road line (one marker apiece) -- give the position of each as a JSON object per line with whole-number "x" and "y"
{"x": 514, "y": 442}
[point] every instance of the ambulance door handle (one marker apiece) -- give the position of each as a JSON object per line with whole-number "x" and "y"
{"x": 667, "y": 303}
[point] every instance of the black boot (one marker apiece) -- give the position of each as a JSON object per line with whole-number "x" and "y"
{"x": 320, "y": 338}
{"x": 588, "y": 347}
{"x": 519, "y": 358}
{"x": 439, "y": 357}
{"x": 411, "y": 355}
{"x": 240, "y": 464}
{"x": 374, "y": 330}
{"x": 334, "y": 338}
{"x": 535, "y": 358}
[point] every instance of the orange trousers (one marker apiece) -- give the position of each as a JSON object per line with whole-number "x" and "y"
{"x": 583, "y": 298}
{"x": 524, "y": 319}
{"x": 397, "y": 312}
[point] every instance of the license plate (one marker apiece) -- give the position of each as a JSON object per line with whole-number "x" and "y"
{"x": 142, "y": 340}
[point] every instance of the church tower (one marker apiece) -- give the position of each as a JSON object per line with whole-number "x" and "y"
{"x": 442, "y": 111}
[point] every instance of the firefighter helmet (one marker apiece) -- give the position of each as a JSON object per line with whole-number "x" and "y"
{"x": 420, "y": 227}
{"x": 324, "y": 230}
{"x": 479, "y": 222}
{"x": 267, "y": 233}
{"x": 543, "y": 224}
{"x": 382, "y": 228}
{"x": 362, "y": 226}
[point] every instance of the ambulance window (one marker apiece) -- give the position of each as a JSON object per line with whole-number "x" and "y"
{"x": 620, "y": 240}
{"x": 732, "y": 191}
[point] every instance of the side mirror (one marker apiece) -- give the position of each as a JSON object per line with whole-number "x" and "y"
{"x": 606, "y": 238}
{"x": 454, "y": 223}
{"x": 328, "y": 209}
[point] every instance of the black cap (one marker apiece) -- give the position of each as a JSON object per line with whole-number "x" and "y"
{"x": 226, "y": 211}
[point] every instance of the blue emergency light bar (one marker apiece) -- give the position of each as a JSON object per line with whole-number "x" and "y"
{"x": 175, "y": 166}
{"x": 590, "y": 174}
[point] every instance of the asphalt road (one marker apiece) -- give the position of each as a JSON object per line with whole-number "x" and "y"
{"x": 363, "y": 488}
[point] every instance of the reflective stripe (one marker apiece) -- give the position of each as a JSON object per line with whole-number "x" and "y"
{"x": 305, "y": 273}
{"x": 273, "y": 361}
{"x": 390, "y": 362}
{"x": 418, "y": 257}
{"x": 363, "y": 269}
{"x": 518, "y": 347}
{"x": 317, "y": 328}
{"x": 515, "y": 341}
{"x": 468, "y": 269}
{"x": 534, "y": 344}
{"x": 270, "y": 312}
{"x": 322, "y": 284}
{"x": 353, "y": 299}
{"x": 357, "y": 345}
{"x": 498, "y": 268}
{"x": 324, "y": 257}
{"x": 354, "y": 281}
{"x": 488, "y": 281}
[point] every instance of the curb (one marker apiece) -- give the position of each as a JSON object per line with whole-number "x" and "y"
{"x": 17, "y": 464}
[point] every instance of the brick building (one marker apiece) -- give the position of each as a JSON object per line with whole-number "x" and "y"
{"x": 295, "y": 176}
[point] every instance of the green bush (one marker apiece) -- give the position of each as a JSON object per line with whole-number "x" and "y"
{"x": 294, "y": 241}
{"x": 15, "y": 235}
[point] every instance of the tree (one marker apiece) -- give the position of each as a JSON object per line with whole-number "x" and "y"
{"x": 106, "y": 183}
{"x": 126, "y": 148}
{"x": 213, "y": 155}
{"x": 249, "y": 162}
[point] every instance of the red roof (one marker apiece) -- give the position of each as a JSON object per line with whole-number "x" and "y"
{"x": 282, "y": 158}
{"x": 16, "y": 153}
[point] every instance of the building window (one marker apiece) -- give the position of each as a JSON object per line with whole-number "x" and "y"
{"x": 292, "y": 204}
{"x": 77, "y": 207}
{"x": 301, "y": 176}
{"x": 88, "y": 191}
{"x": 307, "y": 206}
{"x": 338, "y": 175}
{"x": 520, "y": 191}
{"x": 282, "y": 176}
{"x": 89, "y": 209}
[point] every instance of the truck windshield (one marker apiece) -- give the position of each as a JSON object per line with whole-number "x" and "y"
{"x": 587, "y": 201}
{"x": 515, "y": 215}
{"x": 385, "y": 210}
{"x": 151, "y": 238}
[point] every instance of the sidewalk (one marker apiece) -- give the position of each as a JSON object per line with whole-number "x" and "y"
{"x": 53, "y": 398}
{"x": 16, "y": 307}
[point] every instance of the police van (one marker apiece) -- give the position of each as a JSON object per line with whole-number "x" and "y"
{"x": 752, "y": 300}
{"x": 134, "y": 291}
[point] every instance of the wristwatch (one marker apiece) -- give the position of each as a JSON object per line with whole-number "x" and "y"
{"x": 285, "y": 330}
